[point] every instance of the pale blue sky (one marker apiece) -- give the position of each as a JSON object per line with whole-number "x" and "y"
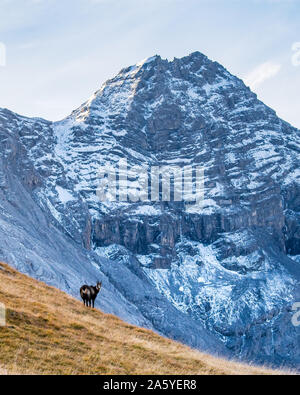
{"x": 58, "y": 52}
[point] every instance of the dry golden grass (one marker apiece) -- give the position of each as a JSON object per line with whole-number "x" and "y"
{"x": 49, "y": 332}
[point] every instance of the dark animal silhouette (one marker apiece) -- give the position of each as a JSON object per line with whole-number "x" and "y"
{"x": 89, "y": 293}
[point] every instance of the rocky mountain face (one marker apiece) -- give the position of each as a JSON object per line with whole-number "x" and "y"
{"x": 221, "y": 276}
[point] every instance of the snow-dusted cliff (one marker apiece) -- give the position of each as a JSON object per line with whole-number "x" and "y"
{"x": 222, "y": 276}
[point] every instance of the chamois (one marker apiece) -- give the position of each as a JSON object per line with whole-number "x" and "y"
{"x": 89, "y": 293}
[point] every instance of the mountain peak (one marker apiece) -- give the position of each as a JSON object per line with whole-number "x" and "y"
{"x": 225, "y": 265}
{"x": 193, "y": 75}
{"x": 195, "y": 55}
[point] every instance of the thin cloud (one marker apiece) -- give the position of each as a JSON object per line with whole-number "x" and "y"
{"x": 262, "y": 73}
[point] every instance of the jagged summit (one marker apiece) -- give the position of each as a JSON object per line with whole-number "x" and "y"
{"x": 154, "y": 79}
{"x": 155, "y": 60}
{"x": 156, "y": 68}
{"x": 229, "y": 267}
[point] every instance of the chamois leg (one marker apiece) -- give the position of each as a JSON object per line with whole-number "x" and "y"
{"x": 93, "y": 303}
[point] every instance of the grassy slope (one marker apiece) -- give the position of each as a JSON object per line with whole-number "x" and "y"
{"x": 49, "y": 332}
